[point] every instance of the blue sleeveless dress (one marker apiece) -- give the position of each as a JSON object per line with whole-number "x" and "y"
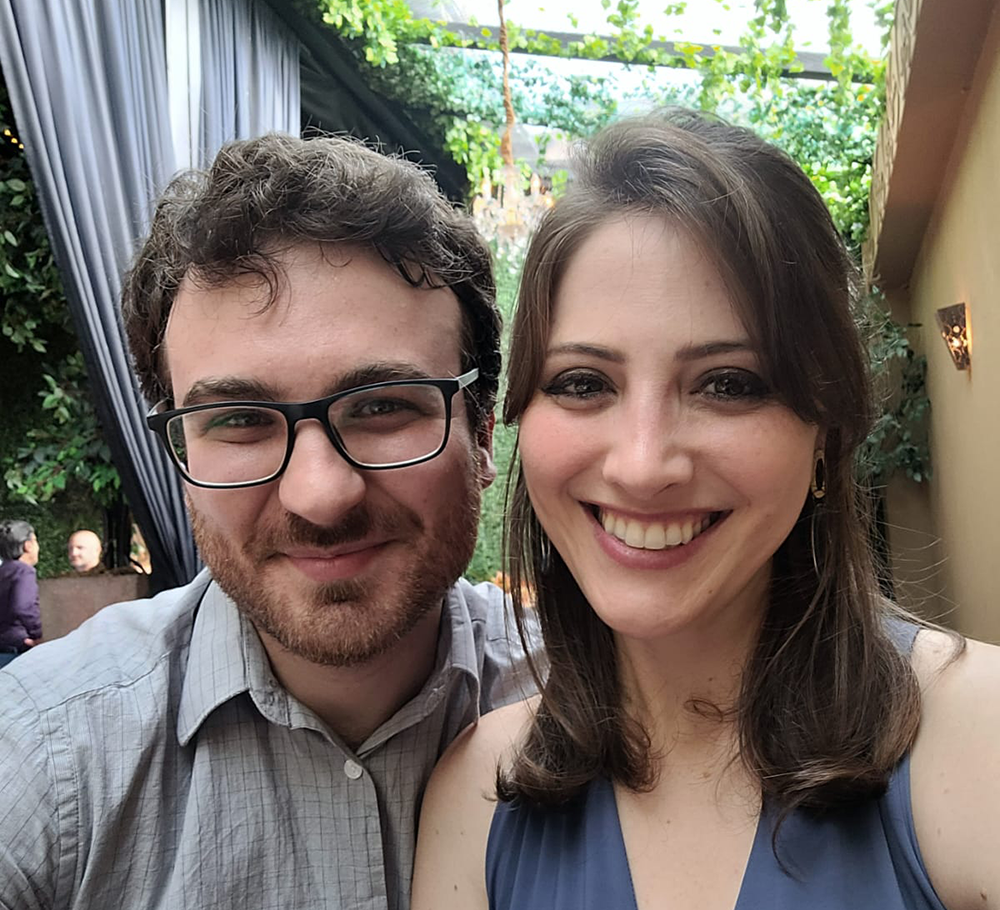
{"x": 573, "y": 858}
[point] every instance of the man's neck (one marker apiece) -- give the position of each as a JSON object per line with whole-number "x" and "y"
{"x": 355, "y": 701}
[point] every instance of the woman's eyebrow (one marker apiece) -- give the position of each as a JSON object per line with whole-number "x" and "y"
{"x": 686, "y": 353}
{"x": 711, "y": 348}
{"x": 588, "y": 350}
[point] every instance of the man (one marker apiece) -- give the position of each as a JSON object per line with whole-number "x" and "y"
{"x": 20, "y": 618}
{"x": 318, "y": 328}
{"x": 84, "y": 551}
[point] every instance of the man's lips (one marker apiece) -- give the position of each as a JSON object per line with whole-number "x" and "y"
{"x": 344, "y": 549}
{"x": 334, "y": 563}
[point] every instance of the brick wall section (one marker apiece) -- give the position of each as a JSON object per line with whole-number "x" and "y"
{"x": 897, "y": 75}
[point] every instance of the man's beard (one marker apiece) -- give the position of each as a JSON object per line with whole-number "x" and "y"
{"x": 349, "y": 622}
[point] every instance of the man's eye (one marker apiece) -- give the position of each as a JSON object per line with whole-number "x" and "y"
{"x": 734, "y": 385}
{"x": 238, "y": 420}
{"x": 381, "y": 407}
{"x": 577, "y": 387}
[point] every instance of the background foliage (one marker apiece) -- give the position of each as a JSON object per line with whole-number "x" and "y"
{"x": 56, "y": 468}
{"x": 828, "y": 127}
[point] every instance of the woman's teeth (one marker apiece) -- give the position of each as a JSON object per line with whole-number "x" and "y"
{"x": 653, "y": 535}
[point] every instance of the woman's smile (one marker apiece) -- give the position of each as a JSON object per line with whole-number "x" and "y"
{"x": 654, "y": 534}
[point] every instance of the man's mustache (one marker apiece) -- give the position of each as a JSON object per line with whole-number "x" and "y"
{"x": 361, "y": 522}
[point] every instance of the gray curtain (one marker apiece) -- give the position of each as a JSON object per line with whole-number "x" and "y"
{"x": 250, "y": 74}
{"x": 88, "y": 84}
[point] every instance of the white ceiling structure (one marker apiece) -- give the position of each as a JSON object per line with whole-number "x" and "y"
{"x": 702, "y": 22}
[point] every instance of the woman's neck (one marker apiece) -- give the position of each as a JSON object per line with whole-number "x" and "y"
{"x": 684, "y": 686}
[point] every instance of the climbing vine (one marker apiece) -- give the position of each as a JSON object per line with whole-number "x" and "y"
{"x": 828, "y": 126}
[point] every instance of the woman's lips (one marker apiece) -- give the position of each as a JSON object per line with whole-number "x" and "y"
{"x": 654, "y": 557}
{"x": 643, "y": 533}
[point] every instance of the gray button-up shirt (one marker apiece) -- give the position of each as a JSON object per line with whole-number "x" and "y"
{"x": 151, "y": 759}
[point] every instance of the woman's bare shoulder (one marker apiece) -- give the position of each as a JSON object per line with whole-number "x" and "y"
{"x": 955, "y": 777}
{"x": 458, "y": 810}
{"x": 479, "y": 748}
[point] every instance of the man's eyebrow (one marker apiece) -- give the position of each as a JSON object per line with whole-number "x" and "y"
{"x": 226, "y": 388}
{"x": 383, "y": 371}
{"x": 235, "y": 388}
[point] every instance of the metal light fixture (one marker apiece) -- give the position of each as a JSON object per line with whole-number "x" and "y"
{"x": 509, "y": 215}
{"x": 953, "y": 324}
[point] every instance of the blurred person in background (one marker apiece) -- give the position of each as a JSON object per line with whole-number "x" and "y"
{"x": 84, "y": 551}
{"x": 20, "y": 619}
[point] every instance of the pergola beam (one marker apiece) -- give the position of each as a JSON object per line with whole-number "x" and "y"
{"x": 813, "y": 63}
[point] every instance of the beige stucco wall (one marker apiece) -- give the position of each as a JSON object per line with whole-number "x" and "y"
{"x": 959, "y": 261}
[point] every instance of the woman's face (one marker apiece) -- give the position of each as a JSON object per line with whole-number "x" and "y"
{"x": 657, "y": 459}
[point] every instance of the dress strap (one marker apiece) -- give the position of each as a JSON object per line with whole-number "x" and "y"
{"x": 902, "y": 633}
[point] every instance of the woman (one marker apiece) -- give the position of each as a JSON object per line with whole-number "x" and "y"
{"x": 733, "y": 715}
{"x": 20, "y": 619}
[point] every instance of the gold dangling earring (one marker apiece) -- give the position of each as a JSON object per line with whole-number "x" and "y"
{"x": 818, "y": 482}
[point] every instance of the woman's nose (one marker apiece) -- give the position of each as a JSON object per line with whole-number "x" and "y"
{"x": 649, "y": 450}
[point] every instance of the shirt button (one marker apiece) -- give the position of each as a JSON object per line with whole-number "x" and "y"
{"x": 352, "y": 769}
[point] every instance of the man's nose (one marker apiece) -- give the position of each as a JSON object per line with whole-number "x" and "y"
{"x": 319, "y": 484}
{"x": 648, "y": 450}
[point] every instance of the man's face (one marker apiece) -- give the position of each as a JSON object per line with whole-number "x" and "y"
{"x": 83, "y": 550}
{"x": 30, "y": 552}
{"x": 337, "y": 564}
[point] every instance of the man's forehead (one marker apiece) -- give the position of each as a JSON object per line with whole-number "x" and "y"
{"x": 336, "y": 315}
{"x": 321, "y": 275}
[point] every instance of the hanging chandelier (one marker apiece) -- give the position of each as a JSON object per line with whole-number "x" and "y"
{"x": 509, "y": 212}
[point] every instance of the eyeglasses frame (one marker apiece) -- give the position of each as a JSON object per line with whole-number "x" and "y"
{"x": 318, "y": 409}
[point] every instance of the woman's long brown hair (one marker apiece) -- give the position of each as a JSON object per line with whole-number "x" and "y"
{"x": 828, "y": 703}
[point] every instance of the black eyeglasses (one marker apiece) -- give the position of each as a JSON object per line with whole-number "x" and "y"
{"x": 375, "y": 427}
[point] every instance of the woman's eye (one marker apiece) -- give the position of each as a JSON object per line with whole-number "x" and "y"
{"x": 577, "y": 386}
{"x": 735, "y": 385}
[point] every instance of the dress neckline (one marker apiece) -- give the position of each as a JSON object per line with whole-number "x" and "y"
{"x": 619, "y": 839}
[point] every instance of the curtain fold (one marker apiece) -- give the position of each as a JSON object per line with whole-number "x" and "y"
{"x": 89, "y": 89}
{"x": 250, "y": 74}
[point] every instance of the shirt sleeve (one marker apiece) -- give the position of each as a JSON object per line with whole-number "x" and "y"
{"x": 24, "y": 602}
{"x": 29, "y": 833}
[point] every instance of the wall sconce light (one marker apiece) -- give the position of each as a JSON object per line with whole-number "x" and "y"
{"x": 953, "y": 323}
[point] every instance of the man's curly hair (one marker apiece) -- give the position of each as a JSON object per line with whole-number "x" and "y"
{"x": 264, "y": 196}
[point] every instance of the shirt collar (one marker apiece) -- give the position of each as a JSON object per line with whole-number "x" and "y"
{"x": 455, "y": 664}
{"x": 226, "y": 658}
